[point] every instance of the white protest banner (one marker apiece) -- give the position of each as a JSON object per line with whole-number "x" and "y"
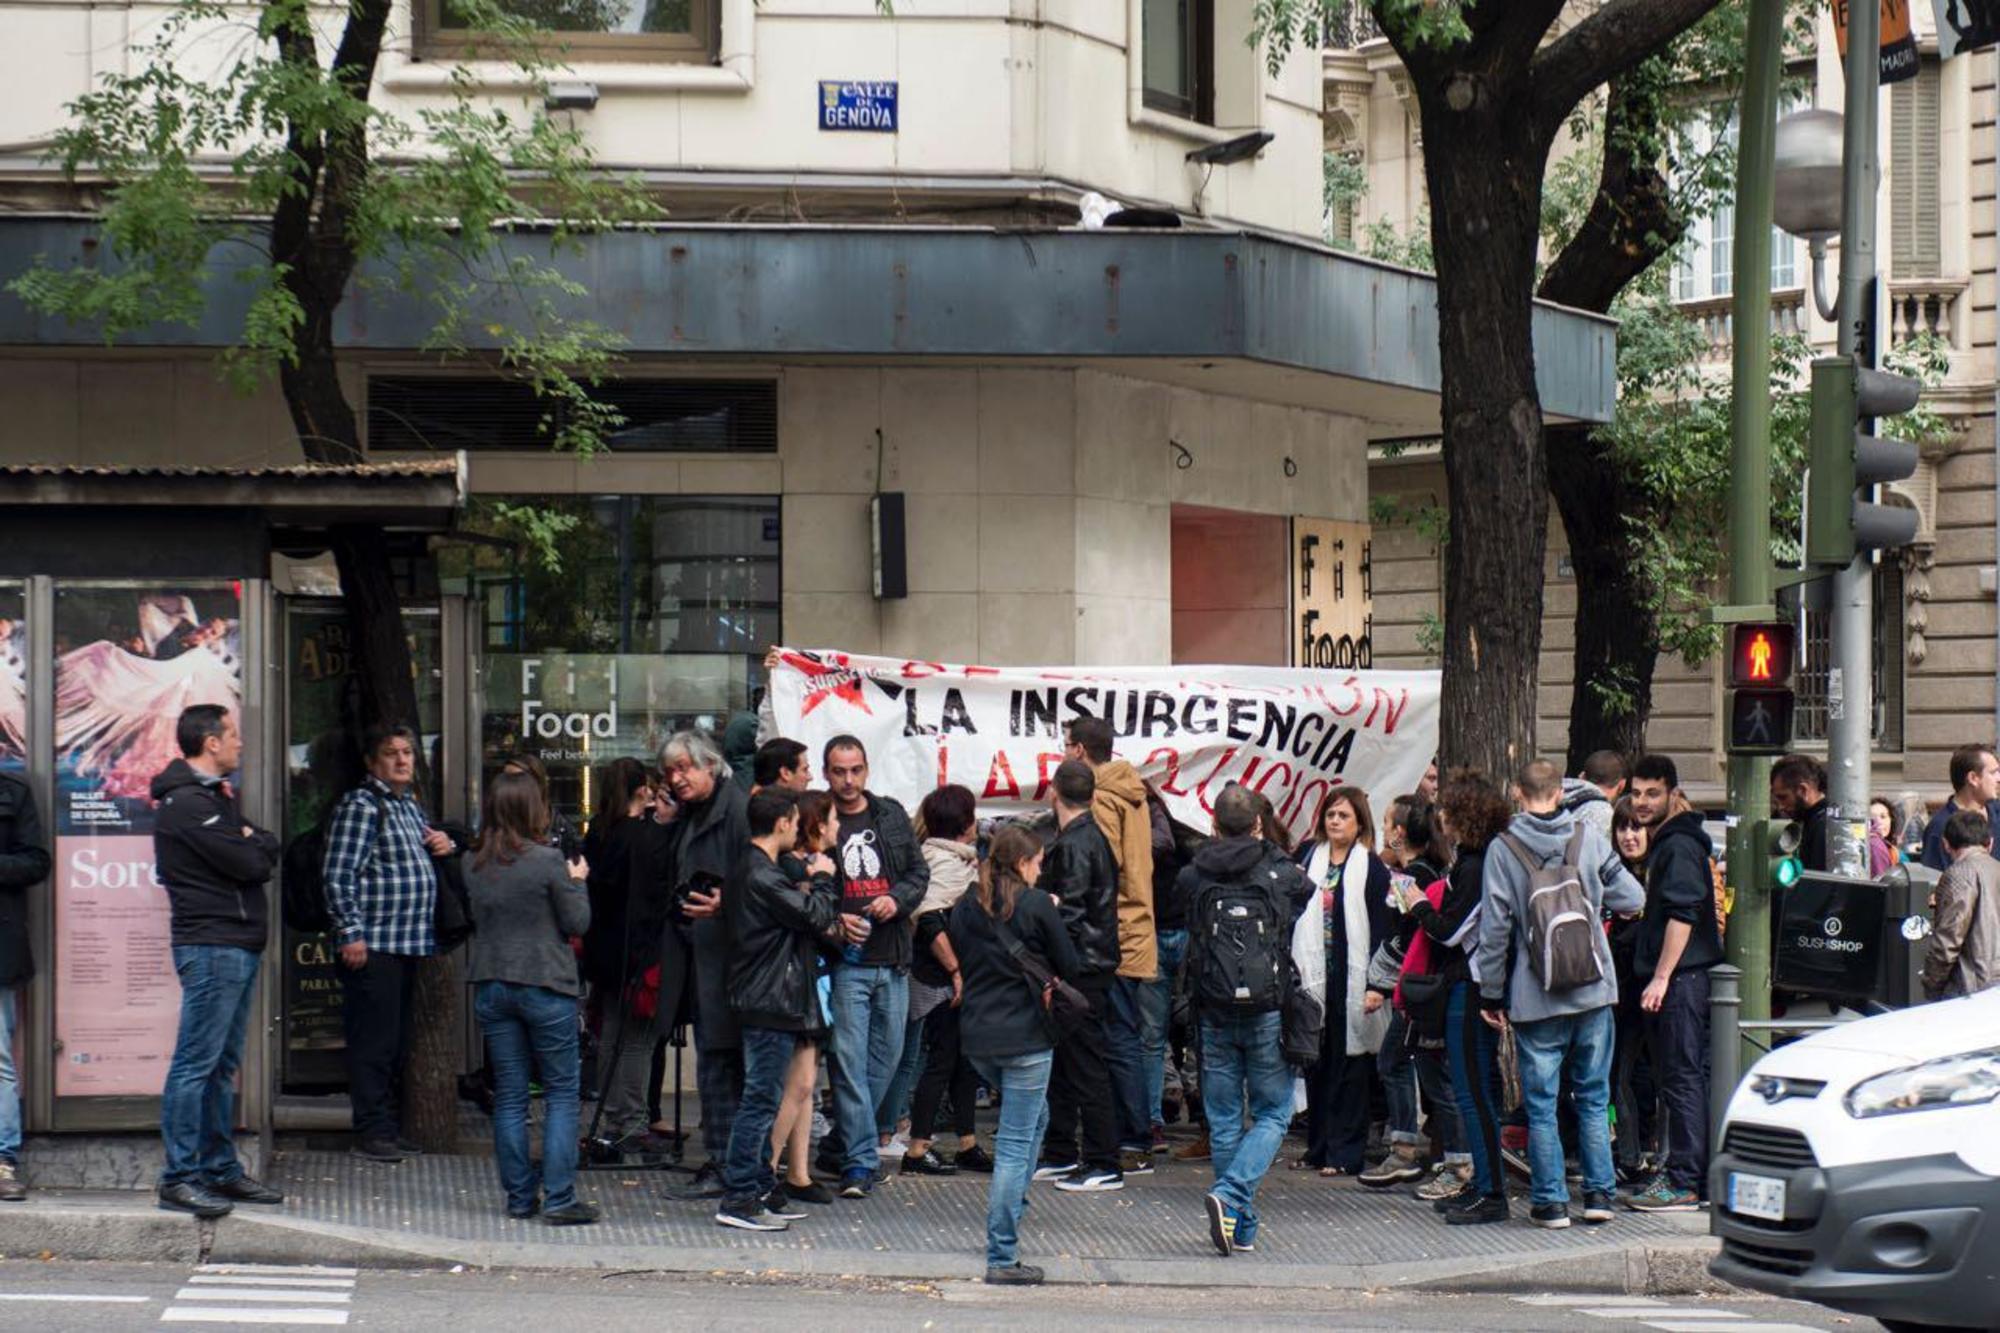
{"x": 1290, "y": 732}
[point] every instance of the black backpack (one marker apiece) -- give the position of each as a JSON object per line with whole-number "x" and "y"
{"x": 1241, "y": 942}
{"x": 303, "y": 890}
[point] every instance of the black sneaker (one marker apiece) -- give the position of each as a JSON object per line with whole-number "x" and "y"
{"x": 1598, "y": 1207}
{"x": 1092, "y": 1182}
{"x": 1221, "y": 1225}
{"x": 813, "y": 1192}
{"x": 929, "y": 1164}
{"x": 187, "y": 1197}
{"x": 1465, "y": 1194}
{"x": 407, "y": 1148}
{"x": 856, "y": 1185}
{"x": 1053, "y": 1169}
{"x": 244, "y": 1189}
{"x": 1483, "y": 1209}
{"x": 378, "y": 1150}
{"x": 1136, "y": 1162}
{"x": 1550, "y": 1216}
{"x": 974, "y": 1158}
{"x": 778, "y": 1203}
{"x": 752, "y": 1218}
{"x": 1020, "y": 1275}
{"x": 578, "y": 1214}
{"x": 707, "y": 1184}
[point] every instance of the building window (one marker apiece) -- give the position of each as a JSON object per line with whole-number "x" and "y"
{"x": 1915, "y": 235}
{"x": 1178, "y": 50}
{"x": 683, "y": 30}
{"x": 422, "y": 414}
{"x": 1886, "y": 692}
{"x": 1704, "y": 264}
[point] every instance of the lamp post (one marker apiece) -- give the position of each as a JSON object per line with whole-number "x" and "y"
{"x": 1808, "y": 176}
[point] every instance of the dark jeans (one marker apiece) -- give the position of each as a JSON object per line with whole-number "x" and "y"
{"x": 746, "y": 1170}
{"x": 1679, "y": 1033}
{"x": 376, "y": 1001}
{"x": 945, "y": 1069}
{"x": 1080, "y": 1092}
{"x": 198, "y": 1102}
{"x": 1473, "y": 1051}
{"x": 1635, "y": 1086}
{"x": 529, "y": 1028}
{"x": 718, "y": 1081}
{"x": 1125, "y": 1056}
{"x": 1337, "y": 1096}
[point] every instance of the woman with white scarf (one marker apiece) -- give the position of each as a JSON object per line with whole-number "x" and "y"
{"x": 947, "y": 821}
{"x": 1332, "y": 947}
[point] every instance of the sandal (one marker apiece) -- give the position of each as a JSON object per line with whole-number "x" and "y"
{"x": 1300, "y": 1164}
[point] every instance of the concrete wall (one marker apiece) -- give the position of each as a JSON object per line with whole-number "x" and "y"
{"x": 1040, "y": 500}
{"x": 993, "y": 88}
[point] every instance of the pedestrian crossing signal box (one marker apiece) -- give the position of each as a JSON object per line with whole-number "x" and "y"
{"x": 1761, "y": 659}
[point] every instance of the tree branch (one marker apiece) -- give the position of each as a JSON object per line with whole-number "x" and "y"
{"x": 1608, "y": 43}
{"x": 1632, "y": 220}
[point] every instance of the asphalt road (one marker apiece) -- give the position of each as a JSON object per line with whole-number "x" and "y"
{"x": 90, "y": 1296}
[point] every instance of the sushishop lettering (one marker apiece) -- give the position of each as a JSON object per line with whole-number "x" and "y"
{"x": 544, "y": 724}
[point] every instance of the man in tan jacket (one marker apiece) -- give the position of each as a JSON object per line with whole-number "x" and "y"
{"x": 1964, "y": 952}
{"x": 1119, "y": 808}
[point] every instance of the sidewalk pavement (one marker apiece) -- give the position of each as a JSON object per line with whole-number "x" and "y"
{"x": 1316, "y": 1233}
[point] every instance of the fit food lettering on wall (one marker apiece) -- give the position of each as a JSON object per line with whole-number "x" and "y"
{"x": 1333, "y": 595}
{"x": 543, "y": 723}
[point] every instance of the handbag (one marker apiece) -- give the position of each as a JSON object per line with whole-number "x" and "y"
{"x": 1423, "y": 999}
{"x": 1065, "y": 1009}
{"x": 451, "y": 915}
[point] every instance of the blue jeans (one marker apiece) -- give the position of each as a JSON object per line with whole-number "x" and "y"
{"x": 746, "y": 1170}
{"x": 198, "y": 1102}
{"x": 1473, "y": 1051}
{"x": 528, "y": 1027}
{"x": 1125, "y": 1061}
{"x": 1156, "y": 1011}
{"x": 1580, "y": 1043}
{"x": 895, "y": 1103}
{"x": 10, "y": 1085}
{"x": 871, "y": 1006}
{"x": 1239, "y": 1057}
{"x": 1023, "y": 1081}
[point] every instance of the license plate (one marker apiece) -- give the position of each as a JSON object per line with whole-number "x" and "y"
{"x": 1757, "y": 1196}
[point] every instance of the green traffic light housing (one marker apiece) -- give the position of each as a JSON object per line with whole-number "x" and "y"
{"x": 1846, "y": 395}
{"x": 1784, "y": 840}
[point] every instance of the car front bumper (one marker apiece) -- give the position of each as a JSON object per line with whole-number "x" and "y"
{"x": 1915, "y": 1238}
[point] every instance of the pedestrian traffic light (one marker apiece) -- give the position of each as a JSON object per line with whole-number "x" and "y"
{"x": 1845, "y": 454}
{"x": 1761, "y": 658}
{"x": 1781, "y": 841}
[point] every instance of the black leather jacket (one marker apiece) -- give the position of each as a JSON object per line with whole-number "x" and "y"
{"x": 24, "y": 862}
{"x": 777, "y": 924}
{"x": 1081, "y": 873}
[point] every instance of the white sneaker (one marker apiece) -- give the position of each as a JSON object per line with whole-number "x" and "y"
{"x": 821, "y": 1126}
{"x": 893, "y": 1149}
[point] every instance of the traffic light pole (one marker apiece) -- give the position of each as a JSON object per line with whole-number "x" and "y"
{"x": 1850, "y": 703}
{"x": 1750, "y": 573}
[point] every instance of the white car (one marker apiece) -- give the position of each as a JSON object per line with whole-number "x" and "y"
{"x": 1860, "y": 1168}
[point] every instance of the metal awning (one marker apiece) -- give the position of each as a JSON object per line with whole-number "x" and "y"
{"x": 420, "y": 496}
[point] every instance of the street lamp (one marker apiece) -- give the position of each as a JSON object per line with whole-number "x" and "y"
{"x": 1807, "y": 187}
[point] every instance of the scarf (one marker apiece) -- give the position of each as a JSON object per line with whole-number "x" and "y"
{"x": 1365, "y": 1031}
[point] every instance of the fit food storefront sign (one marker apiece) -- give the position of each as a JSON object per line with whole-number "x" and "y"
{"x": 1333, "y": 595}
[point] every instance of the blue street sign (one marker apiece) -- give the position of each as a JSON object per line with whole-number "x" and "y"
{"x": 857, "y": 106}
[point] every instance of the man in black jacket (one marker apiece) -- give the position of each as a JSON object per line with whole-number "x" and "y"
{"x": 882, "y": 877}
{"x": 1678, "y": 943}
{"x": 24, "y": 863}
{"x": 709, "y": 837}
{"x": 1798, "y": 793}
{"x": 214, "y": 867}
{"x": 1081, "y": 874}
{"x": 773, "y": 989}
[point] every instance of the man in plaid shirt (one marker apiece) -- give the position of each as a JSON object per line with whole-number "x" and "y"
{"x": 381, "y": 891}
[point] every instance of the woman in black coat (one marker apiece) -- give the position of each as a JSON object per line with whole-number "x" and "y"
{"x": 623, "y": 942}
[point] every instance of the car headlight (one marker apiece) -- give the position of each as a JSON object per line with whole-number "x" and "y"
{"x": 1956, "y": 1080}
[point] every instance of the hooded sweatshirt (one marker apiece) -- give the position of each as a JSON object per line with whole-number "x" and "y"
{"x": 1587, "y": 800}
{"x": 1120, "y": 810}
{"x": 1505, "y": 977}
{"x": 213, "y": 874}
{"x": 1679, "y": 887}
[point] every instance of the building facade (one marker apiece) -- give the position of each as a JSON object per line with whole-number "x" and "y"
{"x": 1935, "y": 674}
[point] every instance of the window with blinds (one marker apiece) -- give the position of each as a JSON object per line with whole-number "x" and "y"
{"x": 426, "y": 413}
{"x": 1915, "y": 231}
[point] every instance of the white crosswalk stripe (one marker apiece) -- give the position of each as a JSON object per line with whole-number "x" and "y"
{"x": 1663, "y": 1315}
{"x": 296, "y": 1294}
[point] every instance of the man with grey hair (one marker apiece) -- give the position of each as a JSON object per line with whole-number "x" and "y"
{"x": 706, "y": 840}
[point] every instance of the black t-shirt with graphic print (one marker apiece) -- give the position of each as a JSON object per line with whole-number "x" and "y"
{"x": 864, "y": 878}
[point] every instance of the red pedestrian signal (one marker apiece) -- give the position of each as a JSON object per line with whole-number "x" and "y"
{"x": 1761, "y": 655}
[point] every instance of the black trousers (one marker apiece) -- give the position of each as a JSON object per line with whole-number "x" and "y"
{"x": 1080, "y": 1092}
{"x": 1679, "y": 1034}
{"x": 944, "y": 1070}
{"x": 376, "y": 1003}
{"x": 1338, "y": 1090}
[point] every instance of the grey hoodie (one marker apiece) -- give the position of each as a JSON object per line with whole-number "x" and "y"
{"x": 1503, "y": 958}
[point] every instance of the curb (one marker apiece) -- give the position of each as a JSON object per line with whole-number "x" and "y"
{"x": 123, "y": 1231}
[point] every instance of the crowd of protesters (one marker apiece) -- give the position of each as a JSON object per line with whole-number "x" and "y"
{"x": 1486, "y": 980}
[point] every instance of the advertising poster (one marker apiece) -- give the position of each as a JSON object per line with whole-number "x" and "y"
{"x": 1291, "y": 733}
{"x": 13, "y": 679}
{"x": 127, "y": 662}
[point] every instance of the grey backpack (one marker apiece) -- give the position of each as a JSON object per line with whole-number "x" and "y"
{"x": 1562, "y": 926}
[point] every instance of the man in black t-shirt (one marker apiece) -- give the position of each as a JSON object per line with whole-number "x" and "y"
{"x": 882, "y": 879}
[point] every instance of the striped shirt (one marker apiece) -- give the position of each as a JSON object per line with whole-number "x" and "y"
{"x": 381, "y": 888}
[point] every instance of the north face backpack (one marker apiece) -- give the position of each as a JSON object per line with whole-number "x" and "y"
{"x": 1563, "y": 929}
{"x": 1242, "y": 945}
